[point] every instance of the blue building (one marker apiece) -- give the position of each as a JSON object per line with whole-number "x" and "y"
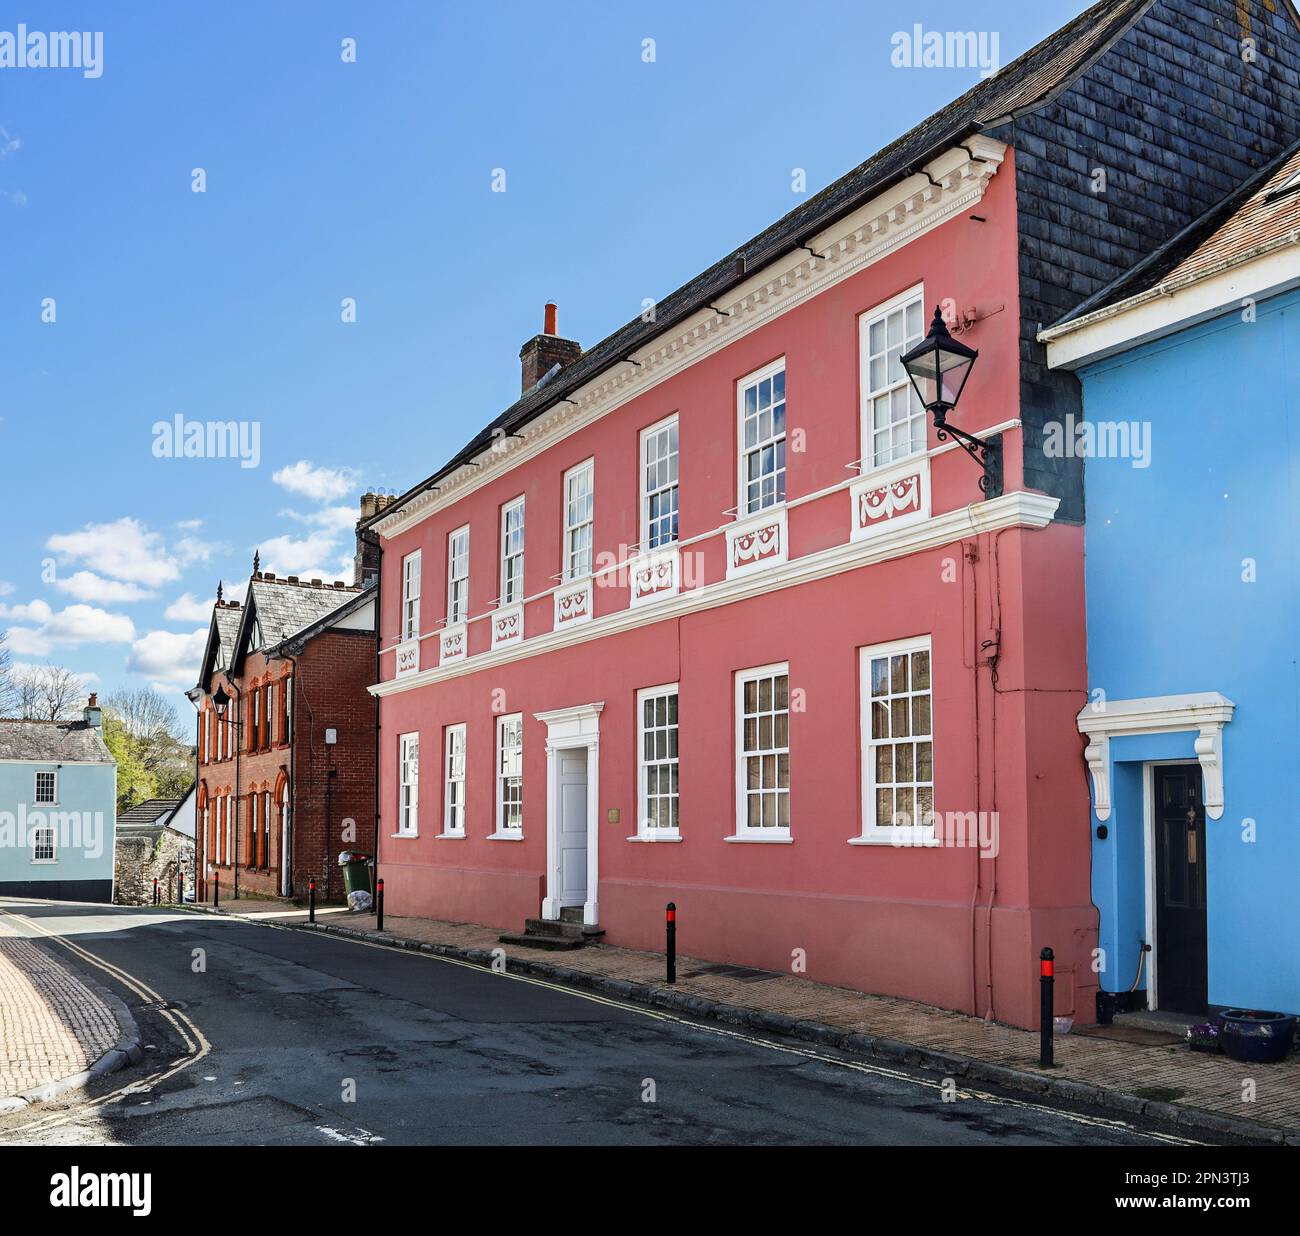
{"x": 58, "y": 808}
{"x": 1189, "y": 368}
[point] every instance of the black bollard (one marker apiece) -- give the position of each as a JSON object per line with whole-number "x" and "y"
{"x": 1046, "y": 1005}
{"x": 180, "y": 886}
{"x": 155, "y": 890}
{"x": 379, "y": 906}
{"x": 670, "y": 928}
{"x": 216, "y": 889}
{"x": 311, "y": 900}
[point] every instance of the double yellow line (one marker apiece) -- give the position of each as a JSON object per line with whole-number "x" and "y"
{"x": 195, "y": 1044}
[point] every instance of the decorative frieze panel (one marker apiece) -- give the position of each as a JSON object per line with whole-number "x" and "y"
{"x": 453, "y": 644}
{"x": 757, "y": 541}
{"x": 408, "y": 658}
{"x": 890, "y": 498}
{"x": 507, "y": 625}
{"x": 572, "y": 604}
{"x": 655, "y": 575}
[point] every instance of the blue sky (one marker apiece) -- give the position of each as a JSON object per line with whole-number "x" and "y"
{"x": 370, "y": 180}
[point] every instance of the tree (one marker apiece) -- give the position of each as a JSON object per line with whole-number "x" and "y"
{"x": 7, "y": 700}
{"x": 147, "y": 729}
{"x": 50, "y": 693}
{"x": 134, "y": 782}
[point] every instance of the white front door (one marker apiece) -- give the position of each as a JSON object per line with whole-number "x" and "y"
{"x": 572, "y": 826}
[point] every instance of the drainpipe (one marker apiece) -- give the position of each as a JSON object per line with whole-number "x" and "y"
{"x": 379, "y": 598}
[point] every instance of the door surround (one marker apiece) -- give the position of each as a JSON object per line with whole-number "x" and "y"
{"x": 568, "y": 729}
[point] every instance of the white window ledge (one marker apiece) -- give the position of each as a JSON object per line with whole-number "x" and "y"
{"x": 449, "y": 836}
{"x": 668, "y": 837}
{"x": 779, "y": 840}
{"x": 404, "y": 836}
{"x": 512, "y": 836}
{"x": 900, "y": 841}
{"x": 45, "y": 862}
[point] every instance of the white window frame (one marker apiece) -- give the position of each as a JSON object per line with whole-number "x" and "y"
{"x": 411, "y": 595}
{"x": 54, "y": 788}
{"x": 453, "y": 814}
{"x": 510, "y": 595}
{"x": 869, "y": 393}
{"x": 645, "y": 830}
{"x": 458, "y": 576}
{"x": 744, "y": 830}
{"x": 37, "y": 833}
{"x": 892, "y": 834}
{"x": 408, "y": 804}
{"x": 751, "y": 382}
{"x": 649, "y": 435}
{"x": 573, "y": 529}
{"x": 499, "y": 778}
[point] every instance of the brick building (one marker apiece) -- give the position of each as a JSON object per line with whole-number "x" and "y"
{"x": 287, "y": 774}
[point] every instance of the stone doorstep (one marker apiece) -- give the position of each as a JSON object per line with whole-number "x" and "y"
{"x": 941, "y": 1059}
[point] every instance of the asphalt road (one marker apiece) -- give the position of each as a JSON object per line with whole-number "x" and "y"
{"x": 282, "y": 1036}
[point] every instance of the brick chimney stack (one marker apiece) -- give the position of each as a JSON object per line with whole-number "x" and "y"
{"x": 544, "y": 351}
{"x": 365, "y": 563}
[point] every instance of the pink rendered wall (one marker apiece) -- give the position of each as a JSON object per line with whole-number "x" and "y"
{"x": 931, "y": 924}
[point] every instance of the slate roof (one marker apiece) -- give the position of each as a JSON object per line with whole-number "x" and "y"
{"x": 227, "y": 621}
{"x": 53, "y": 742}
{"x": 283, "y": 609}
{"x": 151, "y": 811}
{"x": 1027, "y": 82}
{"x": 1261, "y": 214}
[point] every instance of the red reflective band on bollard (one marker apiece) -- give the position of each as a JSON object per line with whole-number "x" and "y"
{"x": 1047, "y": 968}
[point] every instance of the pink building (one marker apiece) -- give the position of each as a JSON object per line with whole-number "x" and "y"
{"x": 714, "y": 615}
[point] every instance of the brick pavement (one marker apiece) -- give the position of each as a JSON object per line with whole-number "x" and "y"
{"x": 51, "y": 1024}
{"x": 1169, "y": 1073}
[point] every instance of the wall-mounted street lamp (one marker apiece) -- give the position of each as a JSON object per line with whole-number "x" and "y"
{"x": 939, "y": 366}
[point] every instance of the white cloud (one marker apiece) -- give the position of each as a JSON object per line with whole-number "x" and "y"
{"x": 170, "y": 661}
{"x": 188, "y": 608}
{"x": 190, "y": 550}
{"x": 288, "y": 555}
{"x": 124, "y": 549}
{"x": 87, "y": 586}
{"x": 5, "y": 588}
{"x": 9, "y": 145}
{"x": 335, "y": 518}
{"x": 318, "y": 484}
{"x": 42, "y": 629}
{"x": 189, "y": 524}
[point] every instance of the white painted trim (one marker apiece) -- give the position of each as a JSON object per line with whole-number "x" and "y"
{"x": 403, "y": 742}
{"x": 644, "y": 832}
{"x": 626, "y": 563}
{"x": 769, "y": 370}
{"x": 758, "y": 542}
{"x": 1206, "y": 712}
{"x": 1169, "y": 308}
{"x": 742, "y": 831}
{"x": 876, "y": 229}
{"x": 506, "y": 508}
{"x": 588, "y": 465}
{"x": 507, "y": 625}
{"x": 568, "y": 729}
{"x": 890, "y": 497}
{"x": 1019, "y": 509}
{"x": 643, "y": 520}
{"x": 414, "y": 558}
{"x": 458, "y": 619}
{"x": 498, "y": 831}
{"x": 865, "y": 393}
{"x": 917, "y": 836}
{"x": 447, "y": 732}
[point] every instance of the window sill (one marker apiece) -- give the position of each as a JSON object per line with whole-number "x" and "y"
{"x": 404, "y": 836}
{"x": 45, "y": 862}
{"x": 512, "y": 836}
{"x": 750, "y": 840}
{"x": 903, "y": 840}
{"x": 654, "y": 839}
{"x": 444, "y": 836}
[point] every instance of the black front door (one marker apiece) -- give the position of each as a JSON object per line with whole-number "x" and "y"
{"x": 1180, "y": 889}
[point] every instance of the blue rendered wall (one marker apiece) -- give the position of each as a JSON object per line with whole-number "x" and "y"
{"x": 1169, "y": 613}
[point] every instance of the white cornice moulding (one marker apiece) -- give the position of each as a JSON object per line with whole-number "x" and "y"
{"x": 1206, "y": 712}
{"x": 870, "y": 233}
{"x": 1020, "y": 509}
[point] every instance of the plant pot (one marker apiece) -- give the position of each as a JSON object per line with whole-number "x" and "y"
{"x": 1255, "y": 1037}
